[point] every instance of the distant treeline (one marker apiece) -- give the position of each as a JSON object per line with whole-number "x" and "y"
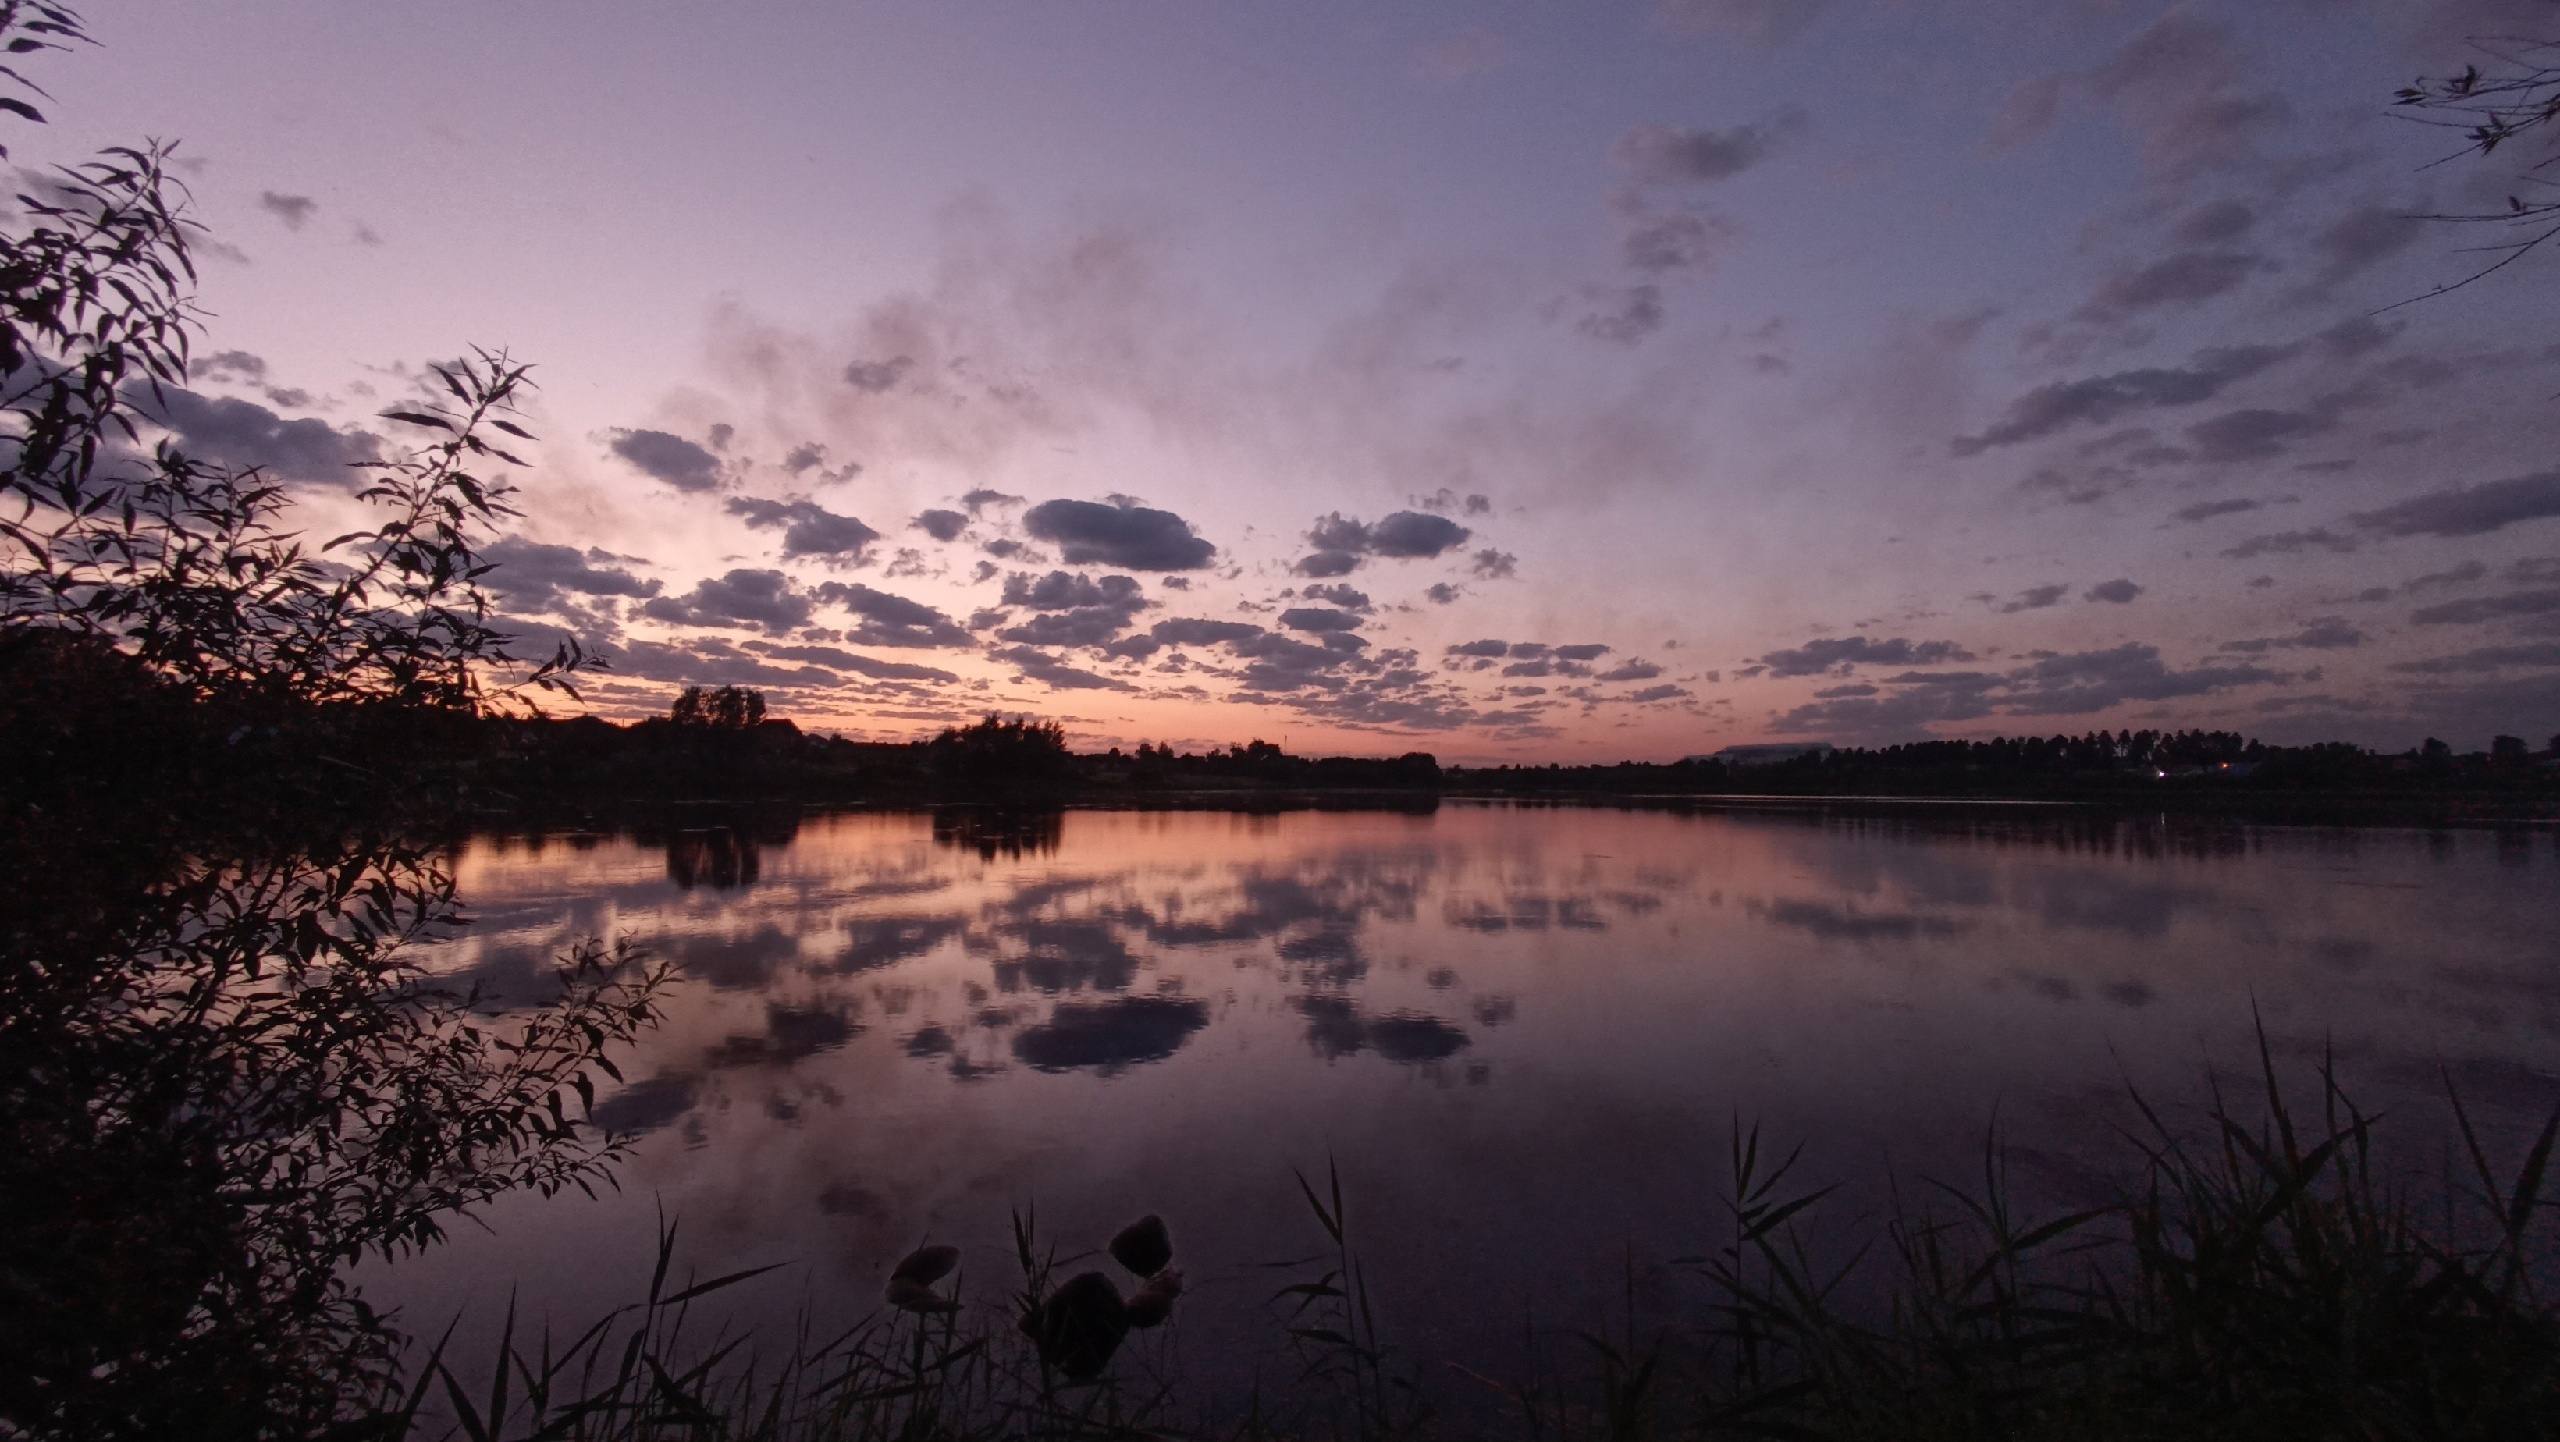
{"x": 2173, "y": 766}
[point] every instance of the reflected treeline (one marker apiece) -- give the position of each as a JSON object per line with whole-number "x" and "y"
{"x": 994, "y": 831}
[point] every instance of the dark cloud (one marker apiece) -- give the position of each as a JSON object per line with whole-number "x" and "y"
{"x": 2035, "y": 598}
{"x": 1588, "y": 651}
{"x": 2206, "y": 510}
{"x": 1343, "y": 596}
{"x": 1441, "y": 593}
{"x": 2286, "y": 543}
{"x": 878, "y": 377}
{"x": 808, "y": 529}
{"x": 1628, "y": 315}
{"x": 1087, "y": 532}
{"x": 1816, "y": 657}
{"x": 1663, "y": 155}
{"x": 978, "y": 500}
{"x": 1481, "y": 648}
{"x": 893, "y": 621}
{"x": 2255, "y": 435}
{"x": 2488, "y": 608}
{"x": 1049, "y": 670}
{"x": 1075, "y": 610}
{"x": 1340, "y": 541}
{"x": 1319, "y": 619}
{"x": 2487, "y": 658}
{"x": 1665, "y": 692}
{"x": 2050, "y": 685}
{"x": 1631, "y": 671}
{"x": 2216, "y": 223}
{"x": 533, "y": 576}
{"x": 837, "y": 658}
{"x": 2099, "y": 399}
{"x": 741, "y": 598}
{"x": 2089, "y": 681}
{"x": 294, "y": 210}
{"x": 2189, "y": 88}
{"x": 2118, "y": 592}
{"x": 1063, "y": 591}
{"x": 1494, "y": 565}
{"x": 226, "y": 365}
{"x": 1194, "y": 631}
{"x": 2321, "y": 633}
{"x": 2468, "y": 510}
{"x": 1663, "y": 241}
{"x": 2356, "y": 241}
{"x": 941, "y": 525}
{"x": 669, "y": 458}
{"x": 2185, "y": 278}
{"x": 243, "y": 434}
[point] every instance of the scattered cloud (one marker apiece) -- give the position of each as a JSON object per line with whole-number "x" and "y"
{"x": 2118, "y": 592}
{"x": 670, "y": 458}
{"x": 808, "y": 529}
{"x": 1815, "y": 658}
{"x": 294, "y": 210}
{"x": 1124, "y": 534}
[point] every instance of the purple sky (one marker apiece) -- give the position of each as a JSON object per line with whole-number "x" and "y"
{"x": 1501, "y": 380}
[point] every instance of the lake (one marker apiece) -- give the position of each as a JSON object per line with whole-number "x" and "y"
{"x": 1524, "y": 1035}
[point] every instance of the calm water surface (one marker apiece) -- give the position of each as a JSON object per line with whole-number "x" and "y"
{"x": 1523, "y": 1035}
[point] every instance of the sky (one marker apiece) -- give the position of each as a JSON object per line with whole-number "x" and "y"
{"x": 1514, "y": 382}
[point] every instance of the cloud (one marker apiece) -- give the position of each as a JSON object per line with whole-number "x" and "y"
{"x": 1075, "y": 610}
{"x": 2355, "y": 242}
{"x": 1441, "y": 593}
{"x": 1480, "y": 648}
{"x": 1341, "y": 542}
{"x": 1586, "y": 651}
{"x": 843, "y": 660}
{"x": 2188, "y": 277}
{"x": 2488, "y": 608}
{"x": 1659, "y": 154}
{"x": 294, "y": 210}
{"x": 1319, "y": 619}
{"x": 669, "y": 458}
{"x": 1494, "y": 565}
{"x": 1816, "y": 657}
{"x": 1110, "y": 1036}
{"x": 808, "y": 529}
{"x": 2035, "y": 598}
{"x": 2487, "y": 658}
{"x": 1050, "y": 671}
{"x": 533, "y": 576}
{"x": 1133, "y": 536}
{"x": 1631, "y": 315}
{"x": 2087, "y": 681}
{"x": 893, "y": 621}
{"x": 1760, "y": 22}
{"x": 741, "y": 598}
{"x": 243, "y": 434}
{"x": 1664, "y": 692}
{"x": 229, "y": 365}
{"x": 2255, "y": 435}
{"x": 2321, "y": 633}
{"x": 2027, "y": 113}
{"x": 941, "y": 525}
{"x": 2118, "y": 591}
{"x": 2096, "y": 400}
{"x": 2286, "y": 543}
{"x": 2216, "y": 222}
{"x": 1660, "y": 242}
{"x": 1343, "y": 596}
{"x": 2468, "y": 510}
{"x": 2206, "y": 510}
{"x": 2192, "y": 93}
{"x": 1630, "y": 671}
{"x": 878, "y": 377}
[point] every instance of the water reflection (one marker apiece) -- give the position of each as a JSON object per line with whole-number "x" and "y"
{"x": 1523, "y": 1032}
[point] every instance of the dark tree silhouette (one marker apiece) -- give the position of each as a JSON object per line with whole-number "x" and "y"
{"x": 730, "y": 708}
{"x": 2508, "y": 107}
{"x": 224, "y": 1072}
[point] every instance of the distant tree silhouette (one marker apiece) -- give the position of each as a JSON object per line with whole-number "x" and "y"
{"x": 998, "y": 752}
{"x": 731, "y": 708}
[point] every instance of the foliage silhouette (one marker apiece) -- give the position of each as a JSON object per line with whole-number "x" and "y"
{"x": 225, "y": 1069}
